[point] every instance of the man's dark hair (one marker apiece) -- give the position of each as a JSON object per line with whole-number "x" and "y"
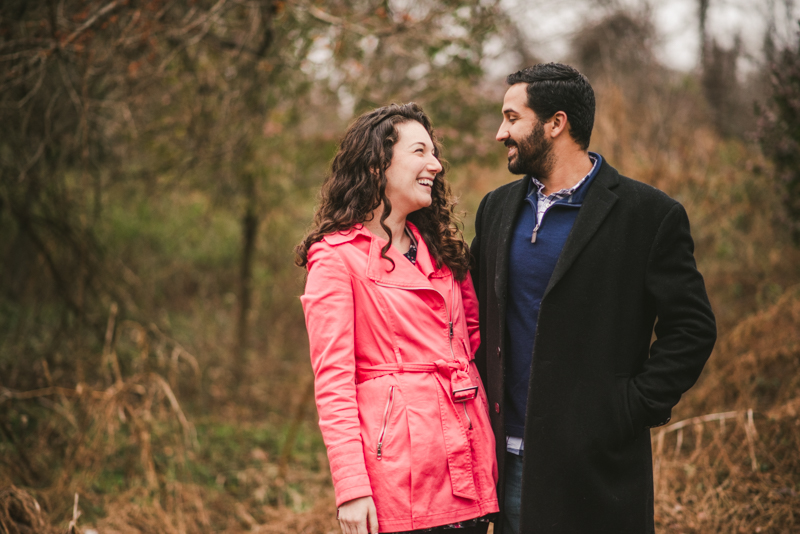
{"x": 556, "y": 87}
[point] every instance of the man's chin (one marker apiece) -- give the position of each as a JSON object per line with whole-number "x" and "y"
{"x": 514, "y": 167}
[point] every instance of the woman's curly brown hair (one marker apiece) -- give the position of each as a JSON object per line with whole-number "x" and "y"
{"x": 356, "y": 186}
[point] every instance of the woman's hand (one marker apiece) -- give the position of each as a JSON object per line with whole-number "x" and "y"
{"x": 358, "y": 516}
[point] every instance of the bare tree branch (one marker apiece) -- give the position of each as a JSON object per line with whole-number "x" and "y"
{"x": 105, "y": 10}
{"x": 318, "y": 14}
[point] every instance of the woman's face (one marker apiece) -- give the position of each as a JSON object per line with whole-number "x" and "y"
{"x": 410, "y": 176}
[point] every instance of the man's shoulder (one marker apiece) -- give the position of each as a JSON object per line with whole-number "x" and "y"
{"x": 641, "y": 196}
{"x": 635, "y": 200}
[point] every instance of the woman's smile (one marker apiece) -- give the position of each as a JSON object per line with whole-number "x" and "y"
{"x": 410, "y": 177}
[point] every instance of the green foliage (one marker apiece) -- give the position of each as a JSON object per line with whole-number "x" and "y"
{"x": 176, "y": 227}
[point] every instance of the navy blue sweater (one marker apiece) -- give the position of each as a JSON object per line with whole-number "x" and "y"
{"x": 529, "y": 269}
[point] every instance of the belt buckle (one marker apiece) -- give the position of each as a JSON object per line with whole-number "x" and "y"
{"x": 465, "y": 394}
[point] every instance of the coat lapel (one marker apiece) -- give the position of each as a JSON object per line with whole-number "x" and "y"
{"x": 596, "y": 206}
{"x": 404, "y": 274}
{"x": 516, "y": 196}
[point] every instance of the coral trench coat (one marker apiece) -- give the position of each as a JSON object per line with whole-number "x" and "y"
{"x": 386, "y": 367}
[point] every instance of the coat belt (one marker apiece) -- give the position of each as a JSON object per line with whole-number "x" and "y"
{"x": 452, "y": 377}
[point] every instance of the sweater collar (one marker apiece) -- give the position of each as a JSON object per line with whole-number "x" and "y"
{"x": 576, "y": 193}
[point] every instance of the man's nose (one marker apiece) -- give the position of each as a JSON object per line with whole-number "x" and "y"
{"x": 502, "y": 133}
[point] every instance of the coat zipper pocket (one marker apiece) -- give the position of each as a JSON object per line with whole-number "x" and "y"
{"x": 384, "y": 426}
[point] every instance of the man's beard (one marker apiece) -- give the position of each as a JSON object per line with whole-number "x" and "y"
{"x": 534, "y": 154}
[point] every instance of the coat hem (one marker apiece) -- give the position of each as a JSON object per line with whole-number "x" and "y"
{"x": 435, "y": 520}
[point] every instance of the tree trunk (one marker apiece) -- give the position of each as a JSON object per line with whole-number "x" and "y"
{"x": 249, "y": 232}
{"x": 703, "y": 19}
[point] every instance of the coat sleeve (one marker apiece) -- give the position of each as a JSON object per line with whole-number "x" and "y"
{"x": 329, "y": 311}
{"x": 475, "y": 248}
{"x": 475, "y": 251}
{"x": 470, "y": 301}
{"x": 685, "y": 327}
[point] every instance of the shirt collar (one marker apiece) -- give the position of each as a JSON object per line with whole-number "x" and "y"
{"x": 538, "y": 187}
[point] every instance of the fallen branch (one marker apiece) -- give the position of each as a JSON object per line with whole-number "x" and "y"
{"x": 6, "y": 393}
{"x": 72, "y": 528}
{"x": 189, "y": 432}
{"x": 697, "y": 422}
{"x": 700, "y": 419}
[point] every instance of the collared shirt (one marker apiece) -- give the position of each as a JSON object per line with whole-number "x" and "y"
{"x": 545, "y": 201}
{"x": 411, "y": 255}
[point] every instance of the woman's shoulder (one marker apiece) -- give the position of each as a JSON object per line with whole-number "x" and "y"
{"x": 344, "y": 236}
{"x": 336, "y": 242}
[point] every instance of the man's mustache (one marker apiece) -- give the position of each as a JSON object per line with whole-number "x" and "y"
{"x": 509, "y": 142}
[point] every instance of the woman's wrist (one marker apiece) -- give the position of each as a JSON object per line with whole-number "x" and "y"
{"x": 358, "y": 515}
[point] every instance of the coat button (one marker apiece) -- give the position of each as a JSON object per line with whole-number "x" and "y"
{"x": 498, "y": 352}
{"x": 496, "y": 407}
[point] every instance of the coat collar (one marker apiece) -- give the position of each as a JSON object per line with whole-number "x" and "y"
{"x": 404, "y": 273}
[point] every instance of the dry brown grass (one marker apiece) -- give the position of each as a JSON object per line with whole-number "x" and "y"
{"x": 740, "y": 474}
{"x": 741, "y": 477}
{"x": 136, "y": 428}
{"x": 99, "y": 424}
{"x": 757, "y": 363}
{"x": 20, "y": 513}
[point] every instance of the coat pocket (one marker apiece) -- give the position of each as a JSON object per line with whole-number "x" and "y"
{"x": 384, "y": 430}
{"x": 623, "y": 416}
{"x": 467, "y": 351}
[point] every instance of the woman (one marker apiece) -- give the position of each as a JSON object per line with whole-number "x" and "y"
{"x": 393, "y": 326}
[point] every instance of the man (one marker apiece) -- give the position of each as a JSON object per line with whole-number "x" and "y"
{"x": 574, "y": 264}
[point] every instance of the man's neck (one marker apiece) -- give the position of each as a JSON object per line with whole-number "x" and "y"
{"x": 568, "y": 169}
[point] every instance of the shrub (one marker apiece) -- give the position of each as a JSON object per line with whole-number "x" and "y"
{"x": 779, "y": 130}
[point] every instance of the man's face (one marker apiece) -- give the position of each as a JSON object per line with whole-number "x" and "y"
{"x": 529, "y": 150}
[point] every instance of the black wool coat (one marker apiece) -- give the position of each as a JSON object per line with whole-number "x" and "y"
{"x": 597, "y": 383}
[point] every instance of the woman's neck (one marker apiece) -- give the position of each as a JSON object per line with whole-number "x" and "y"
{"x": 397, "y": 226}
